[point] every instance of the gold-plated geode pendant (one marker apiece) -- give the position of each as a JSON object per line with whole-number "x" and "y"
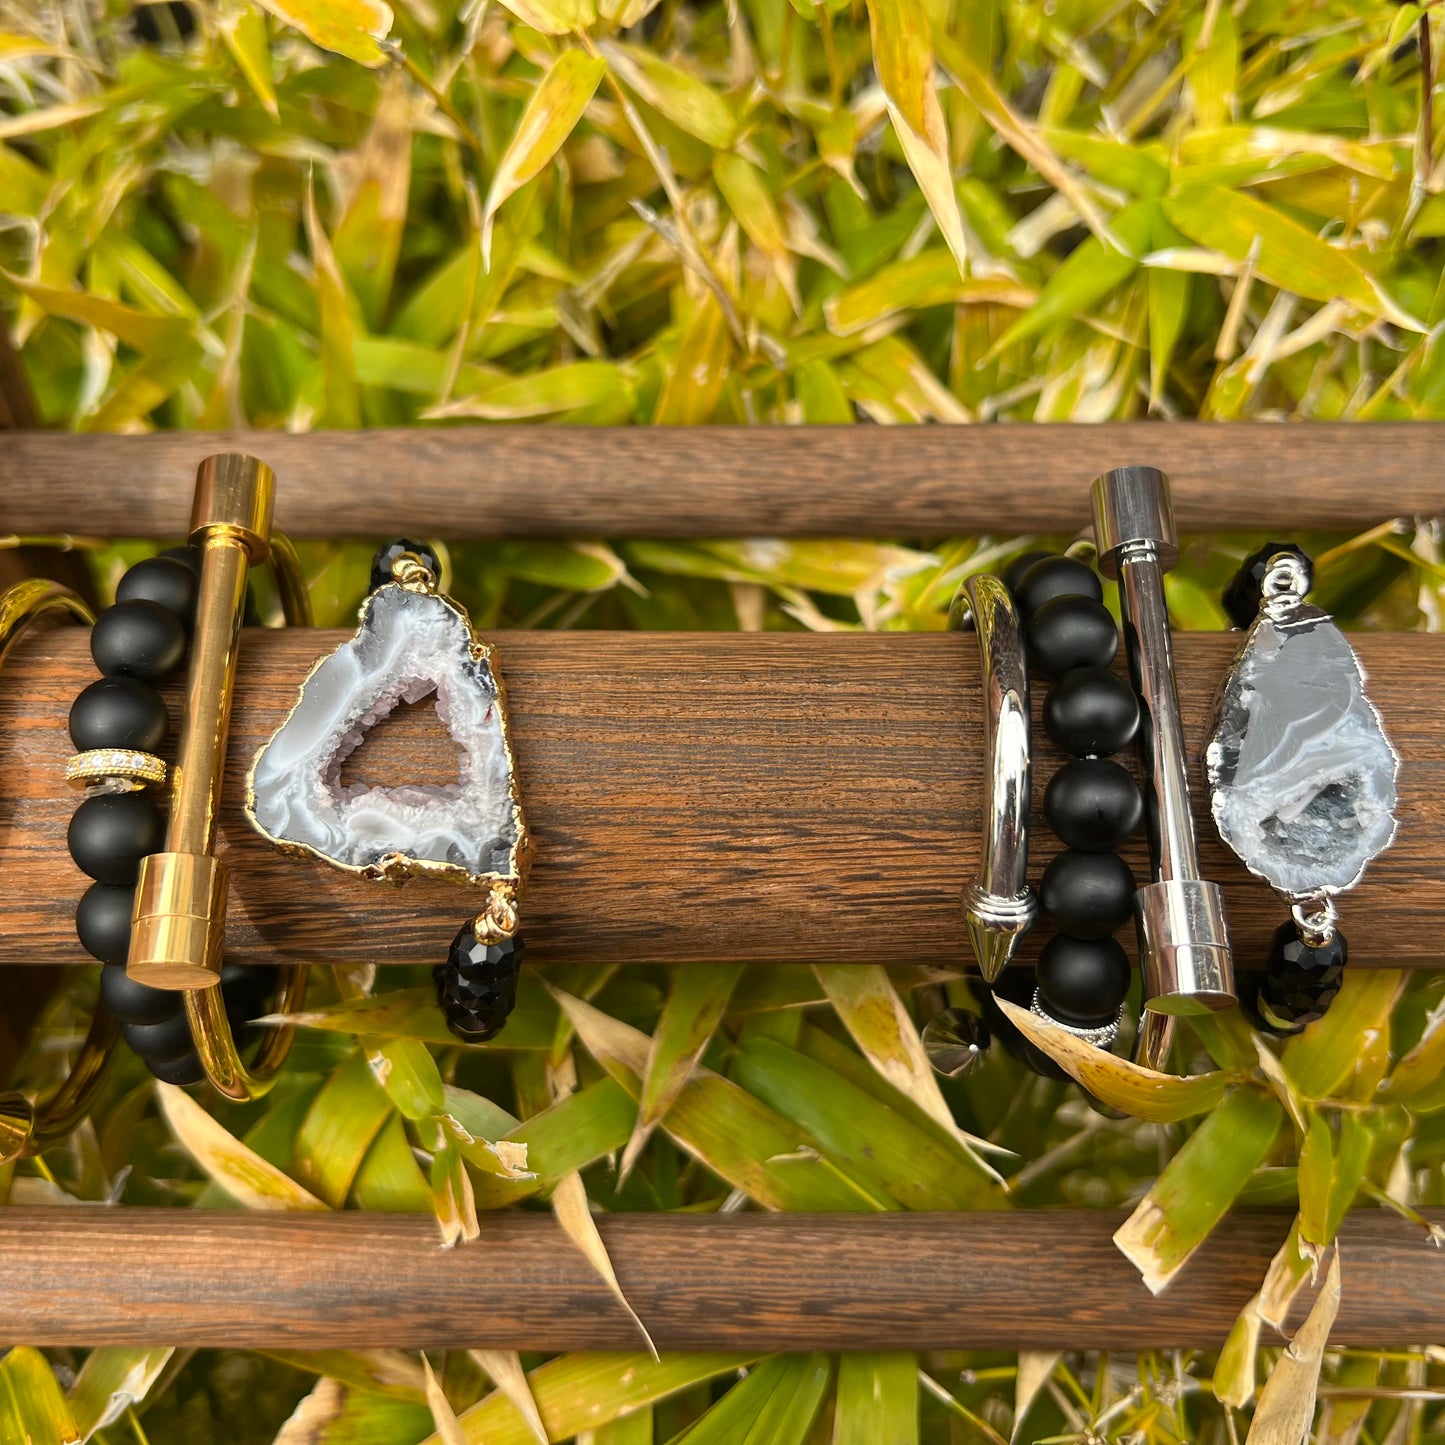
{"x": 413, "y": 642}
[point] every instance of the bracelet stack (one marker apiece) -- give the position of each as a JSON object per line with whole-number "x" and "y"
{"x": 119, "y": 724}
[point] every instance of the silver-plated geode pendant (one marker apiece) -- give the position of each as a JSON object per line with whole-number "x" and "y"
{"x": 412, "y": 642}
{"x": 1302, "y": 777}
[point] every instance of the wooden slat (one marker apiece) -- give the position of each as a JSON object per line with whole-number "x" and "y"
{"x": 734, "y": 481}
{"x": 755, "y": 1282}
{"x": 698, "y": 797}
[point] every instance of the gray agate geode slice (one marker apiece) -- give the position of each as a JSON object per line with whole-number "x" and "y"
{"x": 1301, "y": 773}
{"x": 409, "y": 645}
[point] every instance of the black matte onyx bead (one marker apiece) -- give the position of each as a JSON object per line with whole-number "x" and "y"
{"x": 388, "y": 552}
{"x": 1091, "y": 713}
{"x": 186, "y": 555}
{"x": 118, "y": 712}
{"x": 161, "y": 1043}
{"x": 102, "y": 921}
{"x": 1070, "y": 632}
{"x": 138, "y": 639}
{"x": 187, "y": 1069}
{"x": 1056, "y": 577}
{"x": 1301, "y": 982}
{"x": 136, "y": 1003}
{"x": 1241, "y": 596}
{"x": 1088, "y": 895}
{"x": 1017, "y": 986}
{"x": 110, "y": 833}
{"x": 477, "y": 987}
{"x": 1093, "y": 805}
{"x": 166, "y": 581}
{"x": 1082, "y": 981}
{"x": 1013, "y": 573}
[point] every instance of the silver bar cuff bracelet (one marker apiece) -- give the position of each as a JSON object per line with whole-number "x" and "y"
{"x": 998, "y": 903}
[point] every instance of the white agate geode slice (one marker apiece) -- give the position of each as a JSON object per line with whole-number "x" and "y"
{"x": 1301, "y": 774}
{"x": 409, "y": 645}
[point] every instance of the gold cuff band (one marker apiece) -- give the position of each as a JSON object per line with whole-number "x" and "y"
{"x": 129, "y": 769}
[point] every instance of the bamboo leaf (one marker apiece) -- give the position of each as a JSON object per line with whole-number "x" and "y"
{"x": 349, "y": 27}
{"x": 504, "y": 1369}
{"x": 1198, "y": 1186}
{"x": 1284, "y": 252}
{"x": 110, "y": 1381}
{"x": 686, "y": 101}
{"x": 552, "y": 112}
{"x": 1287, "y": 1402}
{"x": 1144, "y": 1093}
{"x": 554, "y": 17}
{"x": 408, "y": 1073}
{"x": 448, "y": 1427}
{"x": 877, "y": 1400}
{"x": 243, "y": 1174}
{"x": 1328, "y": 1056}
{"x": 695, "y": 1005}
{"x": 1234, "y": 1374}
{"x": 903, "y": 57}
{"x": 244, "y": 32}
{"x": 344, "y": 1118}
{"x": 32, "y": 1409}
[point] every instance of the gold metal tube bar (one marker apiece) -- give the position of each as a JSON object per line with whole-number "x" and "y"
{"x": 180, "y": 901}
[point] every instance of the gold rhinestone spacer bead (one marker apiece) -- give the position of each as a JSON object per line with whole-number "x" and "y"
{"x": 126, "y": 766}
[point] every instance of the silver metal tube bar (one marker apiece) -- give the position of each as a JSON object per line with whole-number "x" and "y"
{"x": 1183, "y": 942}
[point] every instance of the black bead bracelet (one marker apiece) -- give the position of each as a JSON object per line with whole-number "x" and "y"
{"x": 1092, "y": 804}
{"x": 119, "y": 725}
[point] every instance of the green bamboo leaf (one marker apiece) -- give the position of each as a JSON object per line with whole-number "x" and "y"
{"x": 820, "y": 394}
{"x": 1328, "y": 1057}
{"x": 1285, "y": 253}
{"x": 1198, "y": 1185}
{"x": 929, "y": 279}
{"x": 1415, "y": 1079}
{"x": 729, "y": 1130}
{"x": 390, "y": 1181}
{"x": 695, "y": 1005}
{"x": 689, "y": 103}
{"x": 110, "y": 1381}
{"x": 698, "y": 372}
{"x": 554, "y": 17}
{"x": 408, "y": 1073}
{"x": 243, "y": 31}
{"x": 896, "y": 1159}
{"x": 163, "y": 335}
{"x": 244, "y": 1175}
{"x": 745, "y": 190}
{"x": 32, "y": 1409}
{"x": 572, "y": 386}
{"x": 1092, "y": 271}
{"x": 553, "y": 110}
{"x": 1234, "y": 1373}
{"x": 585, "y": 1391}
{"x": 338, "y": 1129}
{"x": 338, "y": 1413}
{"x": 877, "y": 1400}
{"x": 1141, "y": 1092}
{"x": 903, "y": 58}
{"x": 393, "y": 1373}
{"x": 342, "y": 402}
{"x": 351, "y": 28}
{"x": 773, "y": 1404}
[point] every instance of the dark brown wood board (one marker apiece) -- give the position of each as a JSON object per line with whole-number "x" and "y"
{"x": 916, "y": 481}
{"x": 698, "y": 797}
{"x": 1046, "y": 1279}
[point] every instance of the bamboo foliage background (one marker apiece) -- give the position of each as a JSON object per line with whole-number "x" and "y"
{"x": 335, "y": 213}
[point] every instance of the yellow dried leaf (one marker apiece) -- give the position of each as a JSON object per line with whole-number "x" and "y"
{"x": 1287, "y": 1402}
{"x": 351, "y": 28}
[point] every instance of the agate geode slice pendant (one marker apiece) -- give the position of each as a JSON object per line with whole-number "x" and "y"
{"x": 1301, "y": 774}
{"x": 413, "y": 642}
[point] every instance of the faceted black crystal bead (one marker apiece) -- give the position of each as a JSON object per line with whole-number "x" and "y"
{"x": 1093, "y": 804}
{"x": 1091, "y": 713}
{"x": 1017, "y": 986}
{"x": 1088, "y": 895}
{"x": 1300, "y": 982}
{"x": 1055, "y": 577}
{"x": 138, "y": 639}
{"x": 111, "y": 832}
{"x": 477, "y": 986}
{"x": 1241, "y": 596}
{"x": 102, "y": 921}
{"x": 1082, "y": 981}
{"x": 166, "y": 581}
{"x": 390, "y": 551}
{"x": 118, "y": 712}
{"x": 1070, "y": 632}
{"x": 136, "y": 1003}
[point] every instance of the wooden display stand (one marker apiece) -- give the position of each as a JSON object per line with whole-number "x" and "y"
{"x": 771, "y": 797}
